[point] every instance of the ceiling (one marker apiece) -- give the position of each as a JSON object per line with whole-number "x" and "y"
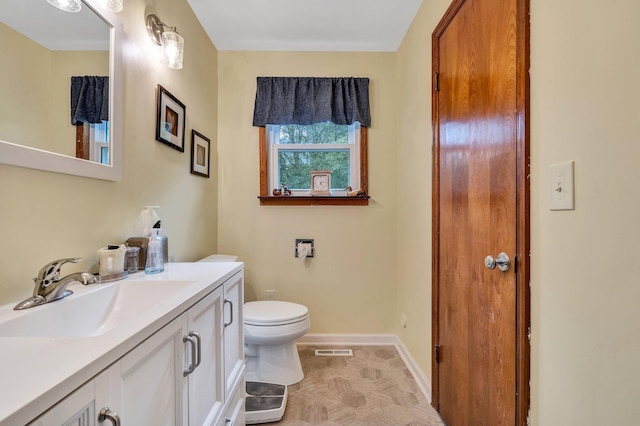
{"x": 306, "y": 25}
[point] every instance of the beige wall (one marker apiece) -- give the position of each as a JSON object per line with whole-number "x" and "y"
{"x": 585, "y": 291}
{"x": 350, "y": 286}
{"x": 30, "y": 64}
{"x": 44, "y": 216}
{"x": 414, "y": 184}
{"x": 37, "y": 80}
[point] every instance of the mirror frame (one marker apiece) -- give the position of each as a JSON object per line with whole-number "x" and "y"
{"x": 34, "y": 158}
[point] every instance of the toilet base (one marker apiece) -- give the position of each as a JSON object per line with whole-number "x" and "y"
{"x": 274, "y": 364}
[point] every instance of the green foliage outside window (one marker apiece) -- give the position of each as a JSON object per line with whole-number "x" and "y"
{"x": 321, "y": 133}
{"x": 295, "y": 165}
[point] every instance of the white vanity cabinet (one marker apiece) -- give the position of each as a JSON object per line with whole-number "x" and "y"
{"x": 234, "y": 364}
{"x": 147, "y": 384}
{"x": 233, "y": 333}
{"x": 190, "y": 372}
{"x": 81, "y": 408}
{"x": 206, "y": 396}
{"x": 174, "y": 377}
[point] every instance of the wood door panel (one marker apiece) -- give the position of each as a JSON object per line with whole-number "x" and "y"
{"x": 476, "y": 115}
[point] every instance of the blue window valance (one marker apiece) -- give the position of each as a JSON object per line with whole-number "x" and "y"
{"x": 89, "y": 99}
{"x": 309, "y": 100}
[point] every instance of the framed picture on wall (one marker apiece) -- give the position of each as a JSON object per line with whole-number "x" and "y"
{"x": 170, "y": 120}
{"x": 200, "y": 154}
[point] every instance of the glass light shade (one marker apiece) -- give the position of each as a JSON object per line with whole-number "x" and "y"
{"x": 172, "y": 49}
{"x": 67, "y": 5}
{"x": 113, "y": 5}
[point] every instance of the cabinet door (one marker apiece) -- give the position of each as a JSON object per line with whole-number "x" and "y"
{"x": 206, "y": 396}
{"x": 234, "y": 414}
{"x": 80, "y": 408}
{"x": 233, "y": 331}
{"x": 150, "y": 382}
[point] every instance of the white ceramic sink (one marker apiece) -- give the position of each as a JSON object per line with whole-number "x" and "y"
{"x": 91, "y": 311}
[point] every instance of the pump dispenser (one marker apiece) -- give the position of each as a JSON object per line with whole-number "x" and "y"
{"x": 154, "y": 247}
{"x": 155, "y": 263}
{"x": 162, "y": 239}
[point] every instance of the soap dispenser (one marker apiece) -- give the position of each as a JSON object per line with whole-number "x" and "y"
{"x": 155, "y": 261}
{"x": 164, "y": 241}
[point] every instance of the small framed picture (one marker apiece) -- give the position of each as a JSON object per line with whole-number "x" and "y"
{"x": 170, "y": 120}
{"x": 200, "y": 154}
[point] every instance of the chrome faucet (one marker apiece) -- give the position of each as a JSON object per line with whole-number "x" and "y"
{"x": 50, "y": 287}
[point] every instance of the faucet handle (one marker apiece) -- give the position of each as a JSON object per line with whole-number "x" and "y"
{"x": 88, "y": 278}
{"x": 51, "y": 271}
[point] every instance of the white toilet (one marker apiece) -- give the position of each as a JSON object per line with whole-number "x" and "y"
{"x": 271, "y": 328}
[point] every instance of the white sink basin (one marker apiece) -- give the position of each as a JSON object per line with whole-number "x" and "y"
{"x": 91, "y": 311}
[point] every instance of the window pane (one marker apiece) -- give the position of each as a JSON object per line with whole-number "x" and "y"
{"x": 294, "y": 167}
{"x": 314, "y": 133}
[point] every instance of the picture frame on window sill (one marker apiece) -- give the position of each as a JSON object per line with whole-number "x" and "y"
{"x": 170, "y": 120}
{"x": 200, "y": 154}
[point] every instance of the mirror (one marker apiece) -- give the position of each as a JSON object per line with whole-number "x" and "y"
{"x": 44, "y": 47}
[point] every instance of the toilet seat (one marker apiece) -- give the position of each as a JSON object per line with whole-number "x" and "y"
{"x": 273, "y": 313}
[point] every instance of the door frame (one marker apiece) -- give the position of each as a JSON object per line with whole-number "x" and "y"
{"x": 522, "y": 260}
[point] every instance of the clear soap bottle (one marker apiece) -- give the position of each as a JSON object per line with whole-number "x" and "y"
{"x": 155, "y": 262}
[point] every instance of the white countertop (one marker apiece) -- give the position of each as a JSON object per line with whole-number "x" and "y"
{"x": 37, "y": 372}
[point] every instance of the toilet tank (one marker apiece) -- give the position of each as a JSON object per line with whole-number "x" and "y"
{"x": 219, "y": 258}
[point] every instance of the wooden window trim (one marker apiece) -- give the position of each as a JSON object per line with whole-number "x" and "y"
{"x": 269, "y": 200}
{"x": 82, "y": 142}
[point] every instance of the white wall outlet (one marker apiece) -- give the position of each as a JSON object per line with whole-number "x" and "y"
{"x": 269, "y": 294}
{"x": 561, "y": 186}
{"x": 403, "y": 320}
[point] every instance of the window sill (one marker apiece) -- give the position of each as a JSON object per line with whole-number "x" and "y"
{"x": 314, "y": 201}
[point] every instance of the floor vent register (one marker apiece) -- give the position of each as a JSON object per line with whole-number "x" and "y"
{"x": 334, "y": 352}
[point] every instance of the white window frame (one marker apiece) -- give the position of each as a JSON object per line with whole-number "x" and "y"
{"x": 98, "y": 139}
{"x": 273, "y": 148}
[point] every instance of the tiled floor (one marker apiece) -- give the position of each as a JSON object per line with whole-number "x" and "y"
{"x": 374, "y": 387}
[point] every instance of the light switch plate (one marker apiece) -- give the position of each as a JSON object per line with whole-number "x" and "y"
{"x": 561, "y": 186}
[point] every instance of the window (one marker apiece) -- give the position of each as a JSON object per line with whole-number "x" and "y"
{"x": 312, "y": 124}
{"x": 92, "y": 142}
{"x": 295, "y": 150}
{"x": 99, "y": 142}
{"x": 289, "y": 152}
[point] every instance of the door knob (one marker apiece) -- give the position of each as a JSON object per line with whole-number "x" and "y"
{"x": 502, "y": 262}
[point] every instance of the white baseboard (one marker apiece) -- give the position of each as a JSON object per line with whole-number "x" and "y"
{"x": 372, "y": 340}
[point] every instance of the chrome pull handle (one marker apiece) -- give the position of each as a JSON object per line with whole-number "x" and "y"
{"x": 194, "y": 359}
{"x": 112, "y": 416}
{"x": 227, "y": 324}
{"x": 502, "y": 262}
{"x": 199, "y": 346}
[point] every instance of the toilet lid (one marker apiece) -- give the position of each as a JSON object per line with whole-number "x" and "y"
{"x": 273, "y": 312}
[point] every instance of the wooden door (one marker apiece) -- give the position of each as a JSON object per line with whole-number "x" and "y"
{"x": 481, "y": 316}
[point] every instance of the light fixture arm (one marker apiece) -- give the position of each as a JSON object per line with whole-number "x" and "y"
{"x": 155, "y": 28}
